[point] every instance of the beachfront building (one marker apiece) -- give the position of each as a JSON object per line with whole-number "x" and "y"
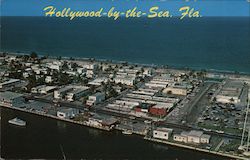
{"x": 10, "y": 99}
{"x": 67, "y": 113}
{"x": 55, "y": 65}
{"x": 90, "y": 66}
{"x": 147, "y": 71}
{"x": 193, "y": 136}
{"x": 162, "y": 133}
{"x": 95, "y": 99}
{"x": 230, "y": 92}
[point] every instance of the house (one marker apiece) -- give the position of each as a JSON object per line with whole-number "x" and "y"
{"x": 11, "y": 99}
{"x": 162, "y": 133}
{"x": 95, "y": 99}
{"x": 55, "y": 65}
{"x": 195, "y": 137}
{"x": 181, "y": 137}
{"x": 205, "y": 138}
{"x": 48, "y": 79}
{"x": 90, "y": 73}
{"x": 67, "y": 113}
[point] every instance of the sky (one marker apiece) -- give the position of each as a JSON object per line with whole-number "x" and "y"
{"x": 206, "y": 7}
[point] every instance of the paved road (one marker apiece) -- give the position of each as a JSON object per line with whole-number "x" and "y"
{"x": 192, "y": 109}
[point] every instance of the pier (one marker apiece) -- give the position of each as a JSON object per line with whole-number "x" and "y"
{"x": 196, "y": 149}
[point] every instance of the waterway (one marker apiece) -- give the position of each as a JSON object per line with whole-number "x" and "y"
{"x": 42, "y": 138}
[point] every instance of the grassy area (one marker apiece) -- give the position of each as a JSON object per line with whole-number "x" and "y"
{"x": 215, "y": 140}
{"x": 232, "y": 145}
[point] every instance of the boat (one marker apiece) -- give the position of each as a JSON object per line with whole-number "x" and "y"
{"x": 127, "y": 132}
{"x": 17, "y": 121}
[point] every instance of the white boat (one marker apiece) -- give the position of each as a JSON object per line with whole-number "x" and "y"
{"x": 127, "y": 132}
{"x": 17, "y": 121}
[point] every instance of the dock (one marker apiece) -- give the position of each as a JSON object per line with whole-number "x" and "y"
{"x": 61, "y": 119}
{"x": 140, "y": 133}
{"x": 238, "y": 157}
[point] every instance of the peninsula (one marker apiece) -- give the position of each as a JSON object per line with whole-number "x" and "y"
{"x": 194, "y": 109}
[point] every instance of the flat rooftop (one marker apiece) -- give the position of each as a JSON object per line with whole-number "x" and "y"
{"x": 10, "y": 81}
{"x": 9, "y": 95}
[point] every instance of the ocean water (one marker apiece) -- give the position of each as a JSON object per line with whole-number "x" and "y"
{"x": 220, "y": 43}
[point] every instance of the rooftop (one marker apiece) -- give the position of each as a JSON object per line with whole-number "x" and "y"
{"x": 164, "y": 129}
{"x": 10, "y": 81}
{"x": 9, "y": 95}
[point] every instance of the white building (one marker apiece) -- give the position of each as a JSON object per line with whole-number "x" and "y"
{"x": 148, "y": 71}
{"x": 205, "y": 138}
{"x": 127, "y": 80}
{"x": 48, "y": 79}
{"x": 43, "y": 89}
{"x": 55, "y": 65}
{"x": 231, "y": 92}
{"x": 95, "y": 99}
{"x": 154, "y": 84}
{"x": 181, "y": 137}
{"x": 193, "y": 136}
{"x": 10, "y": 99}
{"x": 67, "y": 113}
{"x": 162, "y": 133}
{"x": 94, "y": 122}
{"x": 90, "y": 73}
{"x": 81, "y": 70}
{"x": 60, "y": 93}
{"x": 90, "y": 66}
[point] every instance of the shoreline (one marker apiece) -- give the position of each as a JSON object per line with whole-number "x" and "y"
{"x": 178, "y": 145}
{"x": 174, "y": 67}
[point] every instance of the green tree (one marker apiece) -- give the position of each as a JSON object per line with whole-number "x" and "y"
{"x": 33, "y": 55}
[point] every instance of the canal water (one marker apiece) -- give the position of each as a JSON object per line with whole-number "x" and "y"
{"x": 51, "y": 139}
